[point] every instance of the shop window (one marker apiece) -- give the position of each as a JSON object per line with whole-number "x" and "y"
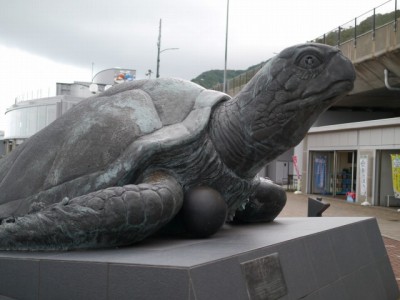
{"x": 333, "y": 172}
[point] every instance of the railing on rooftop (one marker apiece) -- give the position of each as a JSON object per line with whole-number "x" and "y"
{"x": 32, "y": 95}
{"x": 349, "y": 33}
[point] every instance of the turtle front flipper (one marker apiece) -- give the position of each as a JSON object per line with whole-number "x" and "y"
{"x": 264, "y": 205}
{"x": 114, "y": 216}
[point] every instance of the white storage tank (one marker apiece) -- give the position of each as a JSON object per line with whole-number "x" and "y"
{"x": 24, "y": 119}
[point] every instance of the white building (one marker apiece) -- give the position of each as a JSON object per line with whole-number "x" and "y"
{"x": 351, "y": 160}
{"x": 2, "y": 144}
{"x": 25, "y": 118}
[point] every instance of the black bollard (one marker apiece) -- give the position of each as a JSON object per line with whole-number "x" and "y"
{"x": 316, "y": 207}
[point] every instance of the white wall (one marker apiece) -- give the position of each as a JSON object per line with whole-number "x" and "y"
{"x": 371, "y": 134}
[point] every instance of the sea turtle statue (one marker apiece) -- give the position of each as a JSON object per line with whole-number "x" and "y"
{"x": 120, "y": 166}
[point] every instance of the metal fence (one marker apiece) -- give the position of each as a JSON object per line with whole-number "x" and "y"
{"x": 235, "y": 84}
{"x": 368, "y": 22}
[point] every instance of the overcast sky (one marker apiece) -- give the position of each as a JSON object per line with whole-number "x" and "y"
{"x": 48, "y": 41}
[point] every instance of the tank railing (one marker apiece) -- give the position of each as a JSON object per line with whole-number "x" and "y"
{"x": 33, "y": 95}
{"x": 368, "y": 22}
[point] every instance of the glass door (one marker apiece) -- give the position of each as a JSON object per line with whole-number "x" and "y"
{"x": 345, "y": 173}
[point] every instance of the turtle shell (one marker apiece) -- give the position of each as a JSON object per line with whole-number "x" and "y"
{"x": 99, "y": 141}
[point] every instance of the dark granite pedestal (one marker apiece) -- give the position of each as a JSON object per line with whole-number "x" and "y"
{"x": 291, "y": 258}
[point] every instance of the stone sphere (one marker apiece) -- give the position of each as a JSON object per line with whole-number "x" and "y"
{"x": 204, "y": 211}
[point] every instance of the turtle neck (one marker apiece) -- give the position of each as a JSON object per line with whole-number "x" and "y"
{"x": 275, "y": 110}
{"x": 244, "y": 137}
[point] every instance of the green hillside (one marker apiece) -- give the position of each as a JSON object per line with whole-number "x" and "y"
{"x": 211, "y": 78}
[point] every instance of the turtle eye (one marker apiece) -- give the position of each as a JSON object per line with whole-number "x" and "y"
{"x": 309, "y": 61}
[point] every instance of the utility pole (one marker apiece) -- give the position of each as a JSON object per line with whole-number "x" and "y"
{"x": 226, "y": 46}
{"x": 158, "y": 51}
{"x": 92, "y": 70}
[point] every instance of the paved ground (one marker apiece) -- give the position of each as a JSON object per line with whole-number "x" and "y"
{"x": 388, "y": 220}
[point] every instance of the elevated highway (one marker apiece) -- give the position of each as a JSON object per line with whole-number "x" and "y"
{"x": 373, "y": 47}
{"x": 372, "y": 53}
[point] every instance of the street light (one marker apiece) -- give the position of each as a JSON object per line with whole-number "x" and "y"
{"x": 159, "y": 51}
{"x": 226, "y": 45}
{"x": 168, "y": 49}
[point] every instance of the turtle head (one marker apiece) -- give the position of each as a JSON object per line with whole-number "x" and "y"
{"x": 290, "y": 92}
{"x": 275, "y": 110}
{"x": 312, "y": 75}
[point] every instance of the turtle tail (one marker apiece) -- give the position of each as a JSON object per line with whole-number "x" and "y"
{"x": 116, "y": 216}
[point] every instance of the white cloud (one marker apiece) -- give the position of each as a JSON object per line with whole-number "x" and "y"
{"x": 28, "y": 76}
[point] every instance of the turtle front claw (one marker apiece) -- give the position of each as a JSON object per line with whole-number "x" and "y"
{"x": 115, "y": 216}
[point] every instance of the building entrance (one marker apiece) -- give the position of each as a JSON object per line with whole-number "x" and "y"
{"x": 333, "y": 173}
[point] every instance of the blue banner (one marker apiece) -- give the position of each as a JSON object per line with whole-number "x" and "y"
{"x": 320, "y": 171}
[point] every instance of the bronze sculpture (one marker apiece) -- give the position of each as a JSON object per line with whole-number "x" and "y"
{"x": 116, "y": 167}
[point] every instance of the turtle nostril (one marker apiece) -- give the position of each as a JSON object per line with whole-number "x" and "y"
{"x": 8, "y": 220}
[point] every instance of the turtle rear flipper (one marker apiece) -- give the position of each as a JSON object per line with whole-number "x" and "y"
{"x": 114, "y": 216}
{"x": 264, "y": 205}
